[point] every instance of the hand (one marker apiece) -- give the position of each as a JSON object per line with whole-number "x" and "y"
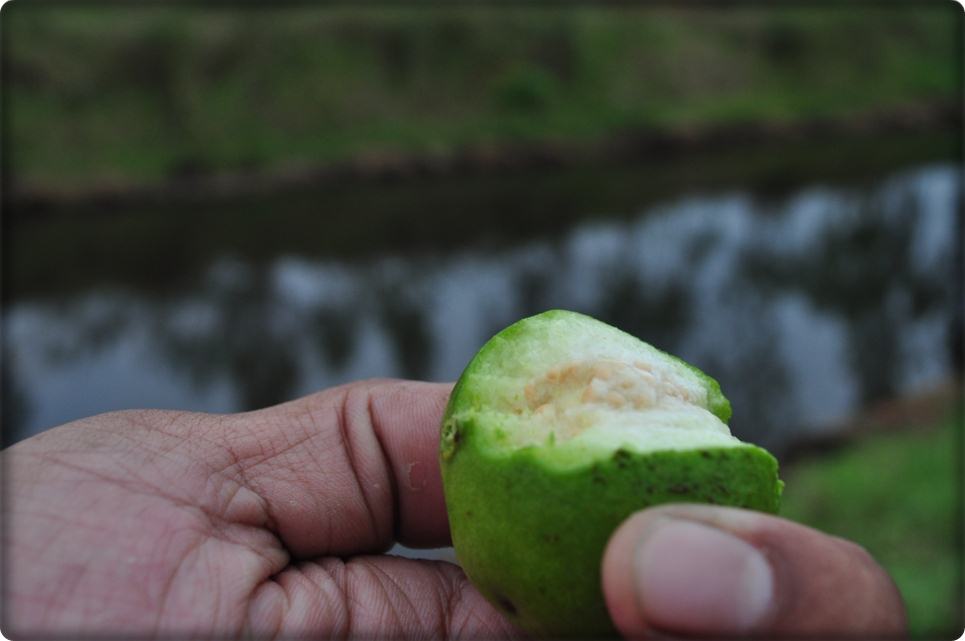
{"x": 701, "y": 570}
{"x": 264, "y": 524}
{"x": 270, "y": 523}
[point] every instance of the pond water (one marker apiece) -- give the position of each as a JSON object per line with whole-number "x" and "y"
{"x": 806, "y": 303}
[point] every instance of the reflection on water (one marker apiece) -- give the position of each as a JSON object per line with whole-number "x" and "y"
{"x": 804, "y": 307}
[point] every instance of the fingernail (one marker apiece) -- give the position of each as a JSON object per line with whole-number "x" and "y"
{"x": 692, "y": 577}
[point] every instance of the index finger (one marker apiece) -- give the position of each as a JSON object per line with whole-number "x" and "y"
{"x": 349, "y": 470}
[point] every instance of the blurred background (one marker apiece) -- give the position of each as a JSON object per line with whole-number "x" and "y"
{"x": 222, "y": 208}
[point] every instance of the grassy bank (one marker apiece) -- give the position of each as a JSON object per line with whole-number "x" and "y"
{"x": 117, "y": 95}
{"x": 899, "y": 496}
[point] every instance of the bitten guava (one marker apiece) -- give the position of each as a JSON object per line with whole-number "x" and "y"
{"x": 559, "y": 429}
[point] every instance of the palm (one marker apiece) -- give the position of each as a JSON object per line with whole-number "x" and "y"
{"x": 269, "y": 523}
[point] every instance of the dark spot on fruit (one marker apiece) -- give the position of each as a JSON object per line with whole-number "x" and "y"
{"x": 451, "y": 436}
{"x": 468, "y": 514}
{"x": 679, "y": 488}
{"x": 705, "y": 453}
{"x": 551, "y": 538}
{"x": 505, "y": 605}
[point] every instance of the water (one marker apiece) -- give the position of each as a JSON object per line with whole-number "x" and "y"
{"x": 806, "y": 304}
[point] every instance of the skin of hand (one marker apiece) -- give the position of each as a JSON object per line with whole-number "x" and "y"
{"x": 273, "y": 523}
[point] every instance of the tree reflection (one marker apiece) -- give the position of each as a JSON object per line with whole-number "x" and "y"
{"x": 531, "y": 286}
{"x": 708, "y": 279}
{"x": 14, "y": 401}
{"x": 403, "y": 316}
{"x": 657, "y": 313}
{"x": 333, "y": 329}
{"x": 754, "y": 377}
{"x": 860, "y": 267}
{"x": 96, "y": 323}
{"x": 956, "y": 324}
{"x": 248, "y": 339}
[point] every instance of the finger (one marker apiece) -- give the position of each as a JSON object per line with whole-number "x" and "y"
{"x": 706, "y": 570}
{"x": 348, "y": 470}
{"x": 373, "y": 597}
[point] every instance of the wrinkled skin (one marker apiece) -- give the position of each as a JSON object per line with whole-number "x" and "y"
{"x": 271, "y": 523}
{"x": 265, "y": 523}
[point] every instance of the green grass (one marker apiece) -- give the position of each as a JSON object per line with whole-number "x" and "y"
{"x": 899, "y": 496}
{"x": 137, "y": 94}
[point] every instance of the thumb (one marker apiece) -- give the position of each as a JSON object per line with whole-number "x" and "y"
{"x": 706, "y": 570}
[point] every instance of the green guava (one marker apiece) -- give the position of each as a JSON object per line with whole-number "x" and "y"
{"x": 559, "y": 429}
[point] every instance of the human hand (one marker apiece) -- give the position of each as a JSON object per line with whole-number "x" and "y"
{"x": 264, "y": 524}
{"x": 270, "y": 523}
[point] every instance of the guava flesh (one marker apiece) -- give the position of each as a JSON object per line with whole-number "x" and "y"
{"x": 558, "y": 430}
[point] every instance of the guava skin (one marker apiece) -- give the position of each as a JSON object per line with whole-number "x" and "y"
{"x": 531, "y": 535}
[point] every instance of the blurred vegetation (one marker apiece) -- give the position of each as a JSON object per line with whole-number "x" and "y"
{"x": 899, "y": 496}
{"x": 119, "y": 94}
